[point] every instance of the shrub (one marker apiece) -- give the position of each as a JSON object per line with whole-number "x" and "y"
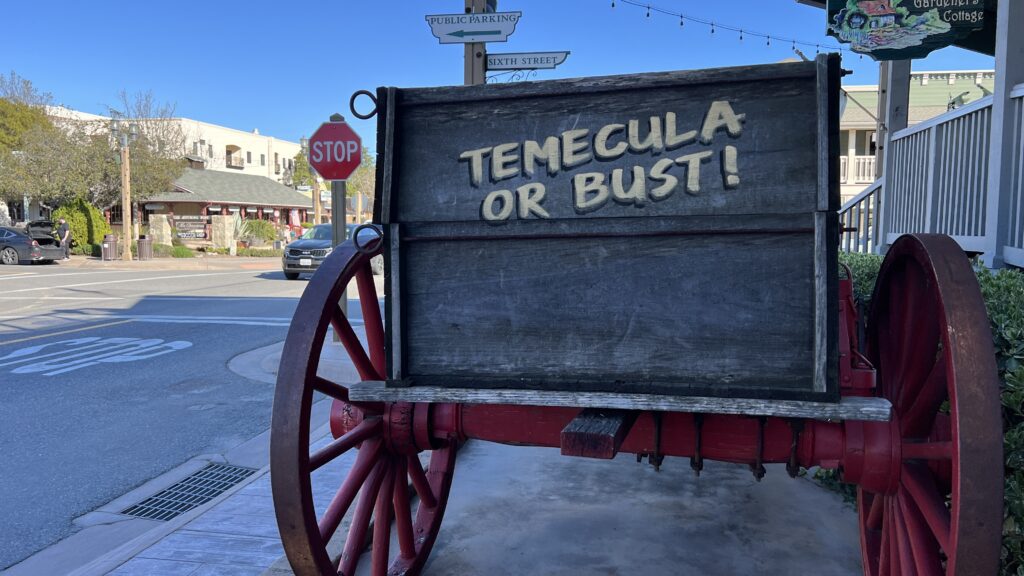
{"x": 1003, "y": 292}
{"x": 182, "y": 252}
{"x": 162, "y": 250}
{"x": 259, "y": 230}
{"x": 260, "y": 252}
{"x": 88, "y": 226}
{"x": 87, "y": 250}
{"x": 306, "y": 225}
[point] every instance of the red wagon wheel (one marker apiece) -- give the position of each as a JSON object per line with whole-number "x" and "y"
{"x": 378, "y": 483}
{"x": 930, "y": 341}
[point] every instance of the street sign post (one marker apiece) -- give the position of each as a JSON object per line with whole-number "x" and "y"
{"x": 335, "y": 151}
{"x": 525, "y": 60}
{"x": 469, "y": 28}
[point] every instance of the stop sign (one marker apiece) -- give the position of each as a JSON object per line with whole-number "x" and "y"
{"x": 335, "y": 150}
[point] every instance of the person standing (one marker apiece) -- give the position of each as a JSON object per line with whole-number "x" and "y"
{"x": 64, "y": 234}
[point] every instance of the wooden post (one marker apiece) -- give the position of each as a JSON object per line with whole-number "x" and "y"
{"x": 476, "y": 52}
{"x": 126, "y": 202}
{"x": 1009, "y": 73}
{"x": 317, "y": 210}
{"x": 893, "y": 106}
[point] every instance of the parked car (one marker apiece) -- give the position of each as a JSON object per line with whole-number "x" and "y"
{"x": 33, "y": 244}
{"x": 304, "y": 255}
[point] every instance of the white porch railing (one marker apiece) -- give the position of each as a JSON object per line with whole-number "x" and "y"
{"x": 861, "y": 171}
{"x": 858, "y": 220}
{"x": 1013, "y": 252}
{"x": 939, "y": 176}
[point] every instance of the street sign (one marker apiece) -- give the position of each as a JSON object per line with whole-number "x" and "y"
{"x": 335, "y": 150}
{"x": 525, "y": 60}
{"x": 468, "y": 28}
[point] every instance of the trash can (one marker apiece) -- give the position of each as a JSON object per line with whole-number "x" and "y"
{"x": 109, "y": 249}
{"x": 145, "y": 245}
{"x": 277, "y": 245}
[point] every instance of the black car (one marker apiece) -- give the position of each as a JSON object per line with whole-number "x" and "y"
{"x": 305, "y": 254}
{"x": 35, "y": 243}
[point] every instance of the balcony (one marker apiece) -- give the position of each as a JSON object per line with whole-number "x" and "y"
{"x": 232, "y": 161}
{"x": 860, "y": 171}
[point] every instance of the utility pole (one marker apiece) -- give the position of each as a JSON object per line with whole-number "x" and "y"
{"x": 476, "y": 52}
{"x": 123, "y": 135}
{"x": 317, "y": 211}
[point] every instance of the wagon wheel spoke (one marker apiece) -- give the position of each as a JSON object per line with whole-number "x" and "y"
{"x": 885, "y": 557}
{"x": 874, "y": 521}
{"x": 332, "y": 389}
{"x": 420, "y": 483}
{"x": 372, "y": 323}
{"x": 352, "y": 345}
{"x": 356, "y": 540}
{"x": 403, "y": 510}
{"x": 924, "y": 494}
{"x": 906, "y": 555}
{"x": 923, "y": 545}
{"x": 363, "y": 431}
{"x": 925, "y": 404}
{"x": 928, "y": 450}
{"x": 367, "y": 461}
{"x": 382, "y": 524}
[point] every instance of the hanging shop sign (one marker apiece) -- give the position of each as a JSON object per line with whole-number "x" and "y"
{"x": 154, "y": 206}
{"x": 903, "y": 29}
{"x": 250, "y": 209}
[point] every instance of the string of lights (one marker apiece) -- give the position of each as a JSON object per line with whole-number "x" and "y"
{"x": 743, "y": 32}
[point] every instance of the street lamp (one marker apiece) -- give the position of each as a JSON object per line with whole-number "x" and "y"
{"x": 125, "y": 133}
{"x": 304, "y": 142}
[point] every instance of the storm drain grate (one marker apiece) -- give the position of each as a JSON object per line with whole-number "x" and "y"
{"x": 195, "y": 490}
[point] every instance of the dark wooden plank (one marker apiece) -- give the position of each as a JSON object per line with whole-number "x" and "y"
{"x": 597, "y": 433}
{"x": 637, "y": 226}
{"x": 690, "y": 313}
{"x": 849, "y": 408}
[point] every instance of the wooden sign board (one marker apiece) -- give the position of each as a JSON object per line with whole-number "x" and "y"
{"x": 670, "y": 233}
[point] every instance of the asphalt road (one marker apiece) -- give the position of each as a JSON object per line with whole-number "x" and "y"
{"x": 109, "y": 378}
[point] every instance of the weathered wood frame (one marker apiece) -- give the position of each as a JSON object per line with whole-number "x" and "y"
{"x": 823, "y": 223}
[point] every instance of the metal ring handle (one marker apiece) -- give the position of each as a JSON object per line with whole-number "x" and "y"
{"x": 352, "y": 104}
{"x": 370, "y": 246}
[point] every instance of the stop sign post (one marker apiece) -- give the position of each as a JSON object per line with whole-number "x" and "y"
{"x": 335, "y": 151}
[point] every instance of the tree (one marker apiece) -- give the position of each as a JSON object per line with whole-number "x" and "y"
{"x": 157, "y": 155}
{"x": 20, "y": 90}
{"x": 302, "y": 175}
{"x": 15, "y": 119}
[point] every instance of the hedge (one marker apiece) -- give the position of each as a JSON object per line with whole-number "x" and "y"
{"x": 1003, "y": 292}
{"x": 88, "y": 226}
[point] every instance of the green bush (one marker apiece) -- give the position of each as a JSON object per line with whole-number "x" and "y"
{"x": 162, "y": 250}
{"x": 260, "y": 230}
{"x": 306, "y": 225}
{"x": 260, "y": 252}
{"x": 88, "y": 226}
{"x": 1003, "y": 292}
{"x": 87, "y": 250}
{"x": 182, "y": 252}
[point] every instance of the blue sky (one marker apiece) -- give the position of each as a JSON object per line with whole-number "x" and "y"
{"x": 284, "y": 67}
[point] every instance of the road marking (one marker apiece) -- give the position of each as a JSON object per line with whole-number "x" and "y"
{"x": 81, "y": 329}
{"x": 18, "y": 275}
{"x": 80, "y": 353}
{"x": 124, "y": 281}
{"x": 62, "y": 297}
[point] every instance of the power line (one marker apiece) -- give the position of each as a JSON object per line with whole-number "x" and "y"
{"x": 743, "y": 32}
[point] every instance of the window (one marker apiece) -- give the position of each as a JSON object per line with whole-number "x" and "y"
{"x": 248, "y": 157}
{"x": 195, "y": 148}
{"x": 263, "y": 159}
{"x": 210, "y": 151}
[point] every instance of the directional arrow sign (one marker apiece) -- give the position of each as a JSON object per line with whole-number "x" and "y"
{"x": 466, "y": 28}
{"x": 525, "y": 60}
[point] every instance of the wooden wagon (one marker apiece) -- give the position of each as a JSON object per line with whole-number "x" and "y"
{"x": 643, "y": 264}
